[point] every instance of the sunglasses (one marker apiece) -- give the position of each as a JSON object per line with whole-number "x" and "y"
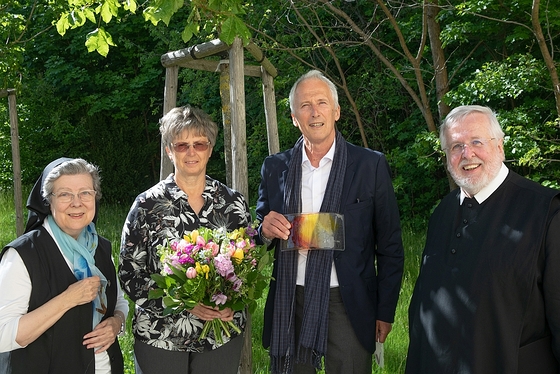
{"x": 183, "y": 147}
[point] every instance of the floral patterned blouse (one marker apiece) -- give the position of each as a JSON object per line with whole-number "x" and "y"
{"x": 163, "y": 212}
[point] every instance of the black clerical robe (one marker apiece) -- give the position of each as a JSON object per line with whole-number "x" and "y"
{"x": 487, "y": 299}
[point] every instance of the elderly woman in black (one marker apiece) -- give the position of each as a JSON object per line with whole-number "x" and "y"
{"x": 185, "y": 201}
{"x": 61, "y": 307}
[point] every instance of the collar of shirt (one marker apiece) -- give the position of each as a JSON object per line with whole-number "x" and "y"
{"x": 328, "y": 157}
{"x": 485, "y": 193}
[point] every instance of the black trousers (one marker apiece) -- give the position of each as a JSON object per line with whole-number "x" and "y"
{"x": 345, "y": 354}
{"x": 152, "y": 360}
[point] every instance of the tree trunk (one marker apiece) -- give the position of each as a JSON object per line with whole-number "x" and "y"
{"x": 438, "y": 57}
{"x": 546, "y": 53}
{"x": 440, "y": 68}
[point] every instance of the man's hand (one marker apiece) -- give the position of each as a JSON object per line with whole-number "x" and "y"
{"x": 275, "y": 225}
{"x": 382, "y": 330}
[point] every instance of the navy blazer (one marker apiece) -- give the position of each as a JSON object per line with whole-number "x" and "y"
{"x": 372, "y": 235}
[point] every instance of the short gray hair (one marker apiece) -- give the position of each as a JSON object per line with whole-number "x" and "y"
{"x": 459, "y": 113}
{"x": 194, "y": 120}
{"x": 72, "y": 167}
{"x": 313, "y": 74}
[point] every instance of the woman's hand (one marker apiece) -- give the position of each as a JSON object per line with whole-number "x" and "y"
{"x": 83, "y": 292}
{"x": 33, "y": 324}
{"x": 207, "y": 313}
{"x": 103, "y": 335}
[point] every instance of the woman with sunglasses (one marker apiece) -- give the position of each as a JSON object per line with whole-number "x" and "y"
{"x": 61, "y": 307}
{"x": 184, "y": 201}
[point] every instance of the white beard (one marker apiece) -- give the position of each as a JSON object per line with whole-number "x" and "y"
{"x": 473, "y": 185}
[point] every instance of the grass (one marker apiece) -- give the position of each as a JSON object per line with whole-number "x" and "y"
{"x": 110, "y": 222}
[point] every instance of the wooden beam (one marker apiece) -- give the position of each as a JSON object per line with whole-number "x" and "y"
{"x": 214, "y": 66}
{"x": 4, "y": 93}
{"x": 195, "y": 52}
{"x": 226, "y": 119}
{"x": 169, "y": 102}
{"x": 261, "y": 59}
{"x": 270, "y": 112}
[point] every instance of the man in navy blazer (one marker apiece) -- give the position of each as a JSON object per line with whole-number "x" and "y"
{"x": 325, "y": 303}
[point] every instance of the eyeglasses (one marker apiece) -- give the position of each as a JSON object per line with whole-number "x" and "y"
{"x": 67, "y": 197}
{"x": 183, "y": 147}
{"x": 458, "y": 148}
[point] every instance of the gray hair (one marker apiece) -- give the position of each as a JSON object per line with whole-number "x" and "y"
{"x": 459, "y": 113}
{"x": 72, "y": 167}
{"x": 313, "y": 74}
{"x": 193, "y": 120}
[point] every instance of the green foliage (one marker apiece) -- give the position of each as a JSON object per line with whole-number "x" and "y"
{"x": 501, "y": 80}
{"x": 106, "y": 108}
{"x": 12, "y": 25}
{"x": 419, "y": 178}
{"x": 221, "y": 17}
{"x": 99, "y": 40}
{"x": 514, "y": 87}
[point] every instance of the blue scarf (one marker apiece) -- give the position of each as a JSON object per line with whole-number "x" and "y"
{"x": 81, "y": 254}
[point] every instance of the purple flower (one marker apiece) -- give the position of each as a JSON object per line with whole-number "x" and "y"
{"x": 219, "y": 299}
{"x": 237, "y": 285}
{"x": 223, "y": 265}
{"x": 251, "y": 231}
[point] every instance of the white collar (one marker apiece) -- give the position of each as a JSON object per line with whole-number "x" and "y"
{"x": 328, "y": 156}
{"x": 485, "y": 192}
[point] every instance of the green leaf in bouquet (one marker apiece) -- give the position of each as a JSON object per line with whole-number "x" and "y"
{"x": 179, "y": 273}
{"x": 160, "y": 280}
{"x": 189, "y": 304}
{"x": 169, "y": 301}
{"x": 238, "y": 305}
{"x": 265, "y": 260}
{"x": 156, "y": 293}
{"x": 167, "y": 311}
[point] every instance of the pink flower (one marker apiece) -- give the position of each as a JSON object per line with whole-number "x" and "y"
{"x": 191, "y": 273}
{"x": 200, "y": 241}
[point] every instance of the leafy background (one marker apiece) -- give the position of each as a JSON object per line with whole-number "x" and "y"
{"x": 105, "y": 107}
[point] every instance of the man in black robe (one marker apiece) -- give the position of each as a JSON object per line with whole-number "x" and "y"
{"x": 487, "y": 299}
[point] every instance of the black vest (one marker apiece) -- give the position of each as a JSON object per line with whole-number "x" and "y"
{"x": 60, "y": 349}
{"x": 478, "y": 302}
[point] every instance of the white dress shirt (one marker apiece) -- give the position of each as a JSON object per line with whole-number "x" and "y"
{"x": 15, "y": 292}
{"x": 313, "y": 186}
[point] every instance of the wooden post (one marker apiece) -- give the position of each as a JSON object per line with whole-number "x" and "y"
{"x": 169, "y": 102}
{"x": 238, "y": 129}
{"x": 270, "y": 112}
{"x": 14, "y": 133}
{"x": 239, "y": 156}
{"x": 226, "y": 118}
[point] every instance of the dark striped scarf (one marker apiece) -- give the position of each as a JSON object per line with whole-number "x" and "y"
{"x": 312, "y": 344}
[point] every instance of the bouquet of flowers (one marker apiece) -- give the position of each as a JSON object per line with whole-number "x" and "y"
{"x": 214, "y": 267}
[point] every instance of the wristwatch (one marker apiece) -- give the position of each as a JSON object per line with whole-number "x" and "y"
{"x": 266, "y": 240}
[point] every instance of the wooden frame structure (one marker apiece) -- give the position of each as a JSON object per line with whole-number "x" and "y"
{"x": 232, "y": 92}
